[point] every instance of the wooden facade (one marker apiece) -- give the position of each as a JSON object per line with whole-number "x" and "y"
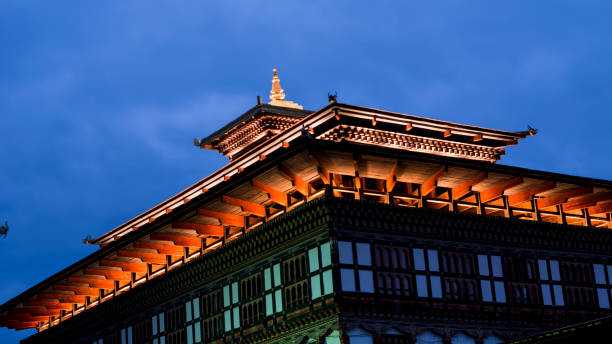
{"x": 346, "y": 224}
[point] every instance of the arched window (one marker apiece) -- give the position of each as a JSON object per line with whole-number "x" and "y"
{"x": 492, "y": 340}
{"x": 357, "y": 336}
{"x": 428, "y": 338}
{"x": 461, "y": 338}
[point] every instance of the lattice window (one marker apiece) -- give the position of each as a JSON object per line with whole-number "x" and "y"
{"x": 273, "y": 292}
{"x": 427, "y": 276}
{"x": 175, "y": 324}
{"x": 231, "y": 307}
{"x": 295, "y": 282}
{"x": 126, "y": 335}
{"x": 603, "y": 281}
{"x": 319, "y": 268}
{"x": 356, "y": 267}
{"x": 193, "y": 326}
{"x": 491, "y": 276}
{"x": 550, "y": 278}
{"x": 392, "y": 277}
{"x": 213, "y": 315}
{"x": 158, "y": 328}
{"x": 252, "y": 307}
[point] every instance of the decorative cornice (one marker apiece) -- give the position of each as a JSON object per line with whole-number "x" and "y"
{"x": 412, "y": 143}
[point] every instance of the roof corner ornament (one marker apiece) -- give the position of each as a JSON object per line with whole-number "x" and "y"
{"x": 332, "y": 98}
{"x": 4, "y": 230}
{"x": 277, "y": 94}
{"x": 88, "y": 240}
{"x": 531, "y": 131}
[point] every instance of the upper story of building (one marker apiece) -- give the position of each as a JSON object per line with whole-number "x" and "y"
{"x": 282, "y": 158}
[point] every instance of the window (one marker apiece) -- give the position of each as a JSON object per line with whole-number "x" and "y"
{"x": 461, "y": 338}
{"x": 333, "y": 338}
{"x": 492, "y": 340}
{"x": 603, "y": 280}
{"x": 193, "y": 326}
{"x": 428, "y": 338}
{"x": 319, "y": 267}
{"x": 357, "y": 336}
{"x": 428, "y": 273}
{"x": 231, "y": 313}
{"x": 158, "y": 328}
{"x": 552, "y": 293}
{"x": 126, "y": 335}
{"x": 272, "y": 290}
{"x": 356, "y": 267}
{"x": 491, "y": 278}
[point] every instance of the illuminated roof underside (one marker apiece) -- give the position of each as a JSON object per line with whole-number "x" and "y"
{"x": 406, "y": 161}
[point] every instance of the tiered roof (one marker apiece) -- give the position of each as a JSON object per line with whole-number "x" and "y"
{"x": 294, "y": 156}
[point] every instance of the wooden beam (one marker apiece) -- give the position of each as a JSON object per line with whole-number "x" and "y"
{"x": 462, "y": 189}
{"x": 131, "y": 266}
{"x": 527, "y": 194}
{"x": 225, "y": 218}
{"x": 145, "y": 256}
{"x": 93, "y": 282}
{"x": 117, "y": 275}
{"x": 600, "y": 208}
{"x": 49, "y": 304}
{"x": 161, "y": 247}
{"x": 201, "y": 228}
{"x": 431, "y": 182}
{"x": 178, "y": 238}
{"x": 275, "y": 195}
{"x": 85, "y": 291}
{"x": 586, "y": 201}
{"x": 301, "y": 185}
{"x": 391, "y": 179}
{"x": 563, "y": 196}
{"x": 498, "y": 189}
{"x": 246, "y": 206}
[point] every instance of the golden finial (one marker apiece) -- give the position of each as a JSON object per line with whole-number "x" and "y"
{"x": 277, "y": 94}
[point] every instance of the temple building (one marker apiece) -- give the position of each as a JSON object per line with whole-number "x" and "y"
{"x": 343, "y": 225}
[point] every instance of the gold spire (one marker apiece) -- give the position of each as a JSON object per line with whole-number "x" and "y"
{"x": 277, "y": 94}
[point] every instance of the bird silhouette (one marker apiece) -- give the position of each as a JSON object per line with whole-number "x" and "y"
{"x": 4, "y": 230}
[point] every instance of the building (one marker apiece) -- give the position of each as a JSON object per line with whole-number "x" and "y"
{"x": 342, "y": 225}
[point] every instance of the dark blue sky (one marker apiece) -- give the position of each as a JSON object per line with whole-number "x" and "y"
{"x": 99, "y": 102}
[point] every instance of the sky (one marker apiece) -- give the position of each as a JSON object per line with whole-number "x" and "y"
{"x": 100, "y": 100}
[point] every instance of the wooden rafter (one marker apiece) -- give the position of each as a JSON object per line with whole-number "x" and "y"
{"x": 79, "y": 290}
{"x": 109, "y": 273}
{"x": 275, "y": 195}
{"x": 587, "y": 200}
{"x": 93, "y": 281}
{"x": 144, "y": 255}
{"x": 463, "y": 188}
{"x": 391, "y": 177}
{"x": 431, "y": 182}
{"x": 246, "y": 206}
{"x": 181, "y": 239}
{"x": 131, "y": 266}
{"x": 527, "y": 194}
{"x": 563, "y": 196}
{"x": 223, "y": 217}
{"x": 498, "y": 189}
{"x": 600, "y": 208}
{"x": 162, "y": 247}
{"x": 205, "y": 229}
{"x": 301, "y": 185}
